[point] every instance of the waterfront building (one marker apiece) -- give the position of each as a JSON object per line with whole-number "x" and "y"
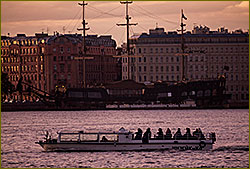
{"x": 23, "y": 56}
{"x": 209, "y": 55}
{"x": 47, "y": 62}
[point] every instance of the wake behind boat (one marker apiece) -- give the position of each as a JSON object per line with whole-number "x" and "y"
{"x": 124, "y": 140}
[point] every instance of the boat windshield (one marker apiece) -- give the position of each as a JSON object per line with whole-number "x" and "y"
{"x": 108, "y": 137}
{"x": 88, "y": 137}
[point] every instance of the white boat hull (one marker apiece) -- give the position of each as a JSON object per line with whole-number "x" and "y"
{"x": 136, "y": 145}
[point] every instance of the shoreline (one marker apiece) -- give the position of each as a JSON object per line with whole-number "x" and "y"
{"x": 43, "y": 107}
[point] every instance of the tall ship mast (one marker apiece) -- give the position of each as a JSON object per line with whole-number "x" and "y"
{"x": 183, "y": 47}
{"x": 127, "y": 24}
{"x": 82, "y": 58}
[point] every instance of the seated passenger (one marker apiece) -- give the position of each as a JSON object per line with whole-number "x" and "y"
{"x": 138, "y": 134}
{"x": 198, "y": 134}
{"x": 159, "y": 134}
{"x": 104, "y": 139}
{"x": 201, "y": 135}
{"x": 187, "y": 135}
{"x": 146, "y": 136}
{"x": 177, "y": 135}
{"x": 168, "y": 135}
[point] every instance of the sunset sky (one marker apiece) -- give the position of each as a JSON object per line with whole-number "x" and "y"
{"x": 30, "y": 17}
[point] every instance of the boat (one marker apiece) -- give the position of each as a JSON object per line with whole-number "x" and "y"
{"x": 123, "y": 140}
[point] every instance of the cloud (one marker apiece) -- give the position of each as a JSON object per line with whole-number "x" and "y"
{"x": 33, "y": 16}
{"x": 240, "y": 7}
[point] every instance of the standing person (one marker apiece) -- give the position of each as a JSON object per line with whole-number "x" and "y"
{"x": 138, "y": 134}
{"x": 146, "y": 136}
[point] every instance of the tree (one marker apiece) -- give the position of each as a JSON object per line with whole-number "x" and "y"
{"x": 6, "y": 86}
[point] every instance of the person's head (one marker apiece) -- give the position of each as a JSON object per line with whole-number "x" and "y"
{"x": 148, "y": 129}
{"x": 160, "y": 129}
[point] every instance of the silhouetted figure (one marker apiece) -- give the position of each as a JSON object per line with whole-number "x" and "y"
{"x": 196, "y": 134}
{"x": 159, "y": 134}
{"x": 201, "y": 135}
{"x": 138, "y": 134}
{"x": 177, "y": 135}
{"x": 168, "y": 135}
{"x": 104, "y": 139}
{"x": 187, "y": 135}
{"x": 146, "y": 136}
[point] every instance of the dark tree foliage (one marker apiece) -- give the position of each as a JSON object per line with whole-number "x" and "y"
{"x": 6, "y": 86}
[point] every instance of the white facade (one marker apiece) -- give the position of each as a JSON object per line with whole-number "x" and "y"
{"x": 208, "y": 56}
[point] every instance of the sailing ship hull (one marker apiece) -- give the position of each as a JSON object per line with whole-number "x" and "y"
{"x": 136, "y": 145}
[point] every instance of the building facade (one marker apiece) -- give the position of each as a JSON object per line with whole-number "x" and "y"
{"x": 23, "y": 56}
{"x": 208, "y": 55}
{"x": 46, "y": 62}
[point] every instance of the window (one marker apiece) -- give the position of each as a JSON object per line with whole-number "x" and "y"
{"x": 145, "y": 59}
{"x": 54, "y": 58}
{"x": 61, "y": 49}
{"x": 156, "y": 68}
{"x": 145, "y": 68}
{"x": 177, "y": 68}
{"x": 139, "y": 59}
{"x": 151, "y": 68}
{"x": 172, "y": 68}
{"x": 172, "y": 59}
{"x": 166, "y": 59}
{"x": 42, "y": 49}
{"x": 190, "y": 58}
{"x": 167, "y": 69}
{"x": 151, "y": 50}
{"x": 177, "y": 59}
{"x": 157, "y": 78}
{"x": 139, "y": 50}
{"x": 161, "y": 68}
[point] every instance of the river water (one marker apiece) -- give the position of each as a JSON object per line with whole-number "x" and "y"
{"x": 20, "y": 131}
